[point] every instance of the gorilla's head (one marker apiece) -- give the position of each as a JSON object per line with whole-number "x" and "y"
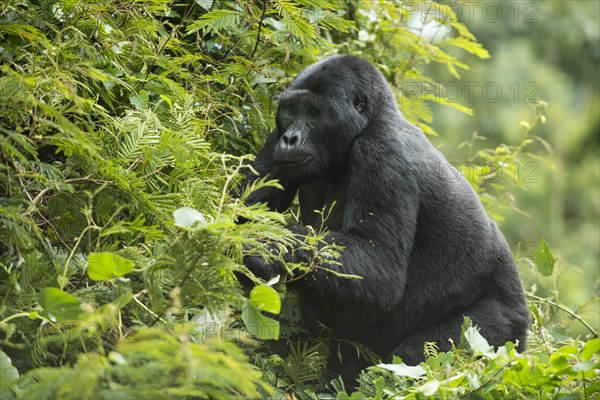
{"x": 325, "y": 108}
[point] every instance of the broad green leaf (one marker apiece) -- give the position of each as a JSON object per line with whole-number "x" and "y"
{"x": 262, "y": 298}
{"x": 187, "y": 217}
{"x": 8, "y": 372}
{"x": 404, "y": 370}
{"x": 58, "y": 305}
{"x": 590, "y": 348}
{"x": 567, "y": 350}
{"x": 257, "y": 324}
{"x": 558, "y": 361}
{"x": 545, "y": 260}
{"x": 8, "y": 377}
{"x": 103, "y": 266}
{"x": 265, "y": 298}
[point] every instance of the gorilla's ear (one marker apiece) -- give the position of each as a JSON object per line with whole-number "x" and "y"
{"x": 359, "y": 103}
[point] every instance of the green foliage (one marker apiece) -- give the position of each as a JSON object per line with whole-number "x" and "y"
{"x": 124, "y": 129}
{"x": 492, "y": 171}
{"x": 59, "y": 305}
{"x": 476, "y": 371}
{"x": 151, "y": 363}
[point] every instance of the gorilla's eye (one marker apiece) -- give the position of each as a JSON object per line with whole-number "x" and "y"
{"x": 285, "y": 114}
{"x": 359, "y": 103}
{"x": 312, "y": 112}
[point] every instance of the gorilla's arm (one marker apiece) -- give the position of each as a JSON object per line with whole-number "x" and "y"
{"x": 350, "y": 299}
{"x": 380, "y": 221}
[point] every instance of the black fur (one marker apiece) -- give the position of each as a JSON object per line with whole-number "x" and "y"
{"x": 412, "y": 227}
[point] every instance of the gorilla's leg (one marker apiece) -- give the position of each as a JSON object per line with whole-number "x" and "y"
{"x": 497, "y": 323}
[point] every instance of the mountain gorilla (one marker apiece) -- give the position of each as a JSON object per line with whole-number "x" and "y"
{"x": 410, "y": 225}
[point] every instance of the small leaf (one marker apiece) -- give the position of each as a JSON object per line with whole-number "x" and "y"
{"x": 117, "y": 358}
{"x": 477, "y": 343}
{"x": 140, "y": 101}
{"x": 273, "y": 280}
{"x": 584, "y": 366}
{"x": 186, "y": 217}
{"x": 468, "y": 45}
{"x": 104, "y": 265}
{"x": 430, "y": 387}
{"x": 122, "y": 300}
{"x": 545, "y": 260}
{"x": 206, "y": 4}
{"x": 58, "y": 305}
{"x": 167, "y": 100}
{"x": 404, "y": 370}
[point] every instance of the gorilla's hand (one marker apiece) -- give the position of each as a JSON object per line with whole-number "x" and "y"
{"x": 269, "y": 269}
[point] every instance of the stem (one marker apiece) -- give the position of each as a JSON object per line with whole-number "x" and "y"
{"x": 14, "y": 316}
{"x": 159, "y": 315}
{"x": 260, "y": 23}
{"x": 156, "y": 316}
{"x": 19, "y": 346}
{"x": 486, "y": 382}
{"x": 86, "y": 179}
{"x": 567, "y": 310}
{"x": 64, "y": 273}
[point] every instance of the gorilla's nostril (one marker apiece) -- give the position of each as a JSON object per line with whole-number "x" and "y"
{"x": 293, "y": 140}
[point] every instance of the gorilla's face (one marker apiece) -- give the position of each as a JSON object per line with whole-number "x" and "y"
{"x": 318, "y": 118}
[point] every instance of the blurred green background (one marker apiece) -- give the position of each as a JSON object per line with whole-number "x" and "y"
{"x": 548, "y": 50}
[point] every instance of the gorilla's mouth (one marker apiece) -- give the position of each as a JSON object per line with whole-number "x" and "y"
{"x": 293, "y": 162}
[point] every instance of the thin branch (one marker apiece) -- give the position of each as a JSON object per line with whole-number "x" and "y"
{"x": 148, "y": 310}
{"x": 86, "y": 179}
{"x": 567, "y": 310}
{"x": 181, "y": 283}
{"x": 260, "y": 24}
{"x": 490, "y": 380}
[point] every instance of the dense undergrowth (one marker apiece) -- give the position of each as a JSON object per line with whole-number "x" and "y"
{"x": 124, "y": 127}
